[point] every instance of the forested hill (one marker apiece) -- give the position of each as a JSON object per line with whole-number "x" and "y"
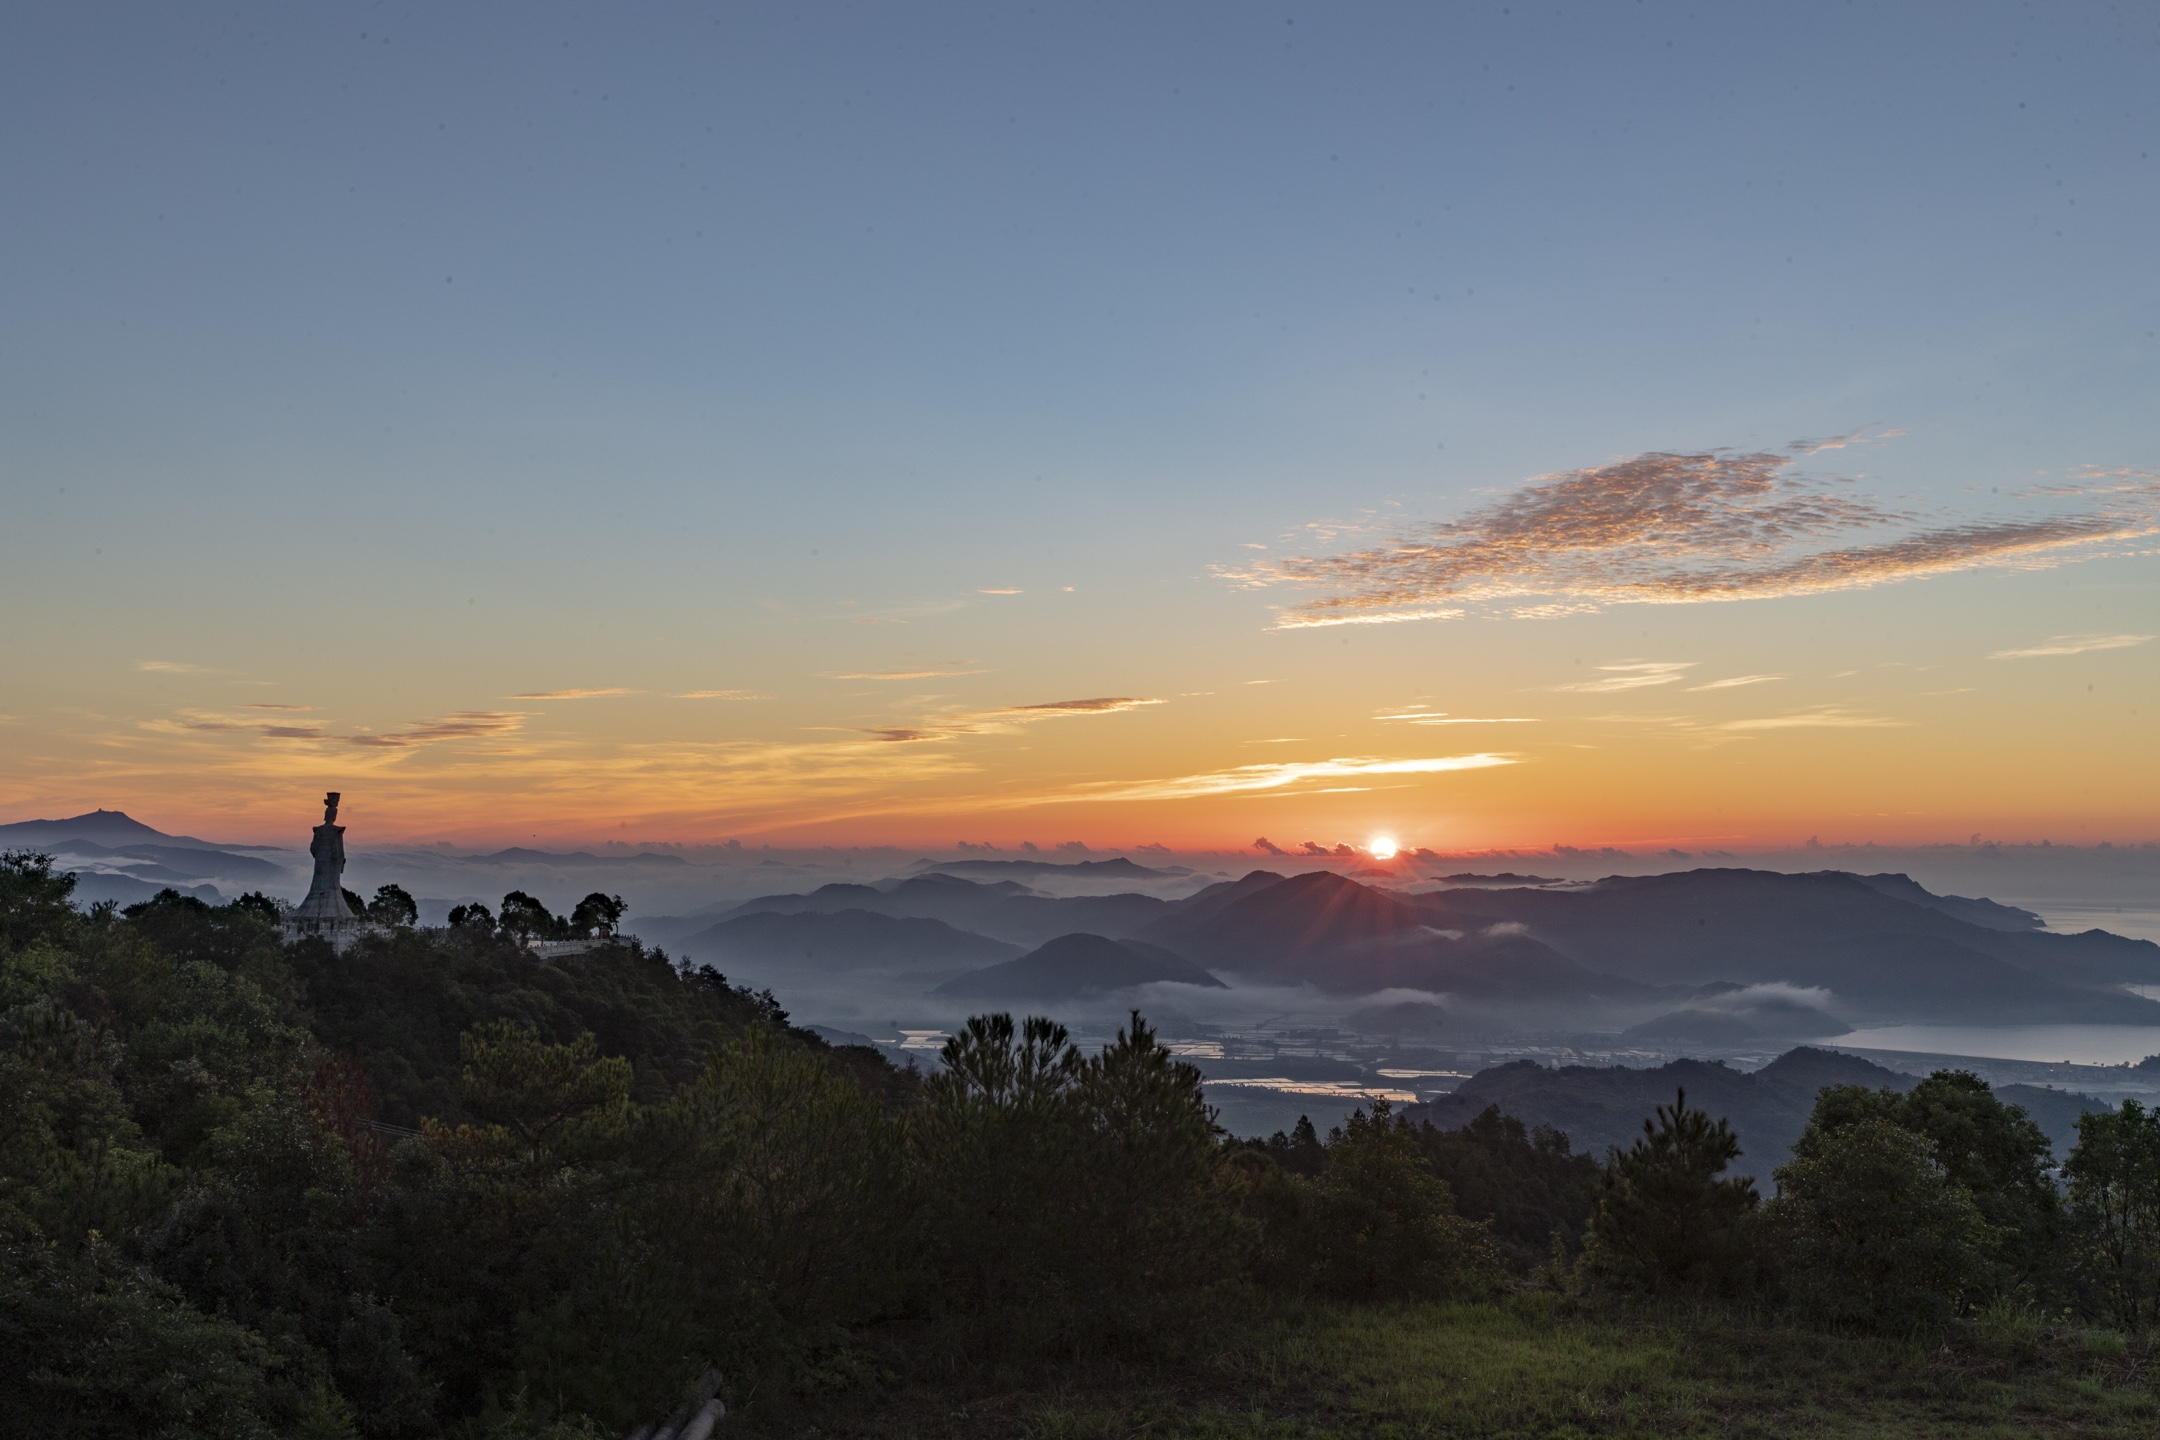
{"x": 438, "y": 1186}
{"x": 1598, "y": 1107}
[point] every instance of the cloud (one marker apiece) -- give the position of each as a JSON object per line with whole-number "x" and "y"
{"x": 1632, "y": 675}
{"x": 574, "y": 694}
{"x": 2072, "y": 645}
{"x": 722, "y": 695}
{"x": 992, "y": 722}
{"x": 463, "y": 725}
{"x": 997, "y": 592}
{"x": 1736, "y": 680}
{"x": 252, "y": 706}
{"x": 1245, "y": 779}
{"x": 1441, "y": 717}
{"x": 1825, "y": 717}
{"x": 1666, "y": 528}
{"x": 897, "y": 674}
{"x": 1745, "y": 1000}
{"x": 1103, "y": 705}
{"x": 293, "y": 732}
{"x": 168, "y": 667}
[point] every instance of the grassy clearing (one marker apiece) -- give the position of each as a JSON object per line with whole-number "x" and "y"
{"x": 1539, "y": 1367}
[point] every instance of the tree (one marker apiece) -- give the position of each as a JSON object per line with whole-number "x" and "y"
{"x": 525, "y": 919}
{"x": 393, "y": 906}
{"x": 1664, "y": 1220}
{"x": 1993, "y": 1150}
{"x": 33, "y": 900}
{"x": 473, "y": 918}
{"x": 1147, "y": 1157}
{"x": 1299, "y": 1152}
{"x": 515, "y": 1079}
{"x": 261, "y": 906}
{"x": 597, "y": 915}
{"x": 1874, "y": 1231}
{"x": 2114, "y": 1175}
{"x": 1529, "y": 1184}
{"x": 1385, "y": 1225}
{"x": 995, "y": 1143}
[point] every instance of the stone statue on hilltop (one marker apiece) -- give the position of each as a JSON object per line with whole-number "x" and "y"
{"x": 325, "y": 912}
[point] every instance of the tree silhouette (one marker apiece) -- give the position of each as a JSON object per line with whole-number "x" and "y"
{"x": 1664, "y": 1219}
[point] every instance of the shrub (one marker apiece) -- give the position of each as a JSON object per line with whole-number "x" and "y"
{"x": 1873, "y": 1232}
{"x": 1384, "y": 1226}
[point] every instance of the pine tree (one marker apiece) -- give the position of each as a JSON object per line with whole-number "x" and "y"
{"x": 1665, "y": 1221}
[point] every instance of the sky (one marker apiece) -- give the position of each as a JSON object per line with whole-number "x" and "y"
{"x": 1479, "y": 426}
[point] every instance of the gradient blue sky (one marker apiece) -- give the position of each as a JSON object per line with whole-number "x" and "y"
{"x": 406, "y": 362}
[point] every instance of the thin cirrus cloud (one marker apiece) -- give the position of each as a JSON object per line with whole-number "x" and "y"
{"x": 1735, "y": 681}
{"x": 462, "y": 725}
{"x": 575, "y": 694}
{"x": 991, "y": 722}
{"x": 722, "y": 695}
{"x": 1631, "y": 675}
{"x": 1667, "y": 528}
{"x": 1249, "y": 779}
{"x": 2071, "y": 645}
{"x": 1441, "y": 717}
{"x": 897, "y": 674}
{"x": 1825, "y": 717}
{"x": 168, "y": 667}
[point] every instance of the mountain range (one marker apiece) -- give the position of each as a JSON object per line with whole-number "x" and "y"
{"x": 1710, "y": 954}
{"x": 1705, "y": 956}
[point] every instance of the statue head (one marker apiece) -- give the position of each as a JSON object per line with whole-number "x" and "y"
{"x": 329, "y": 807}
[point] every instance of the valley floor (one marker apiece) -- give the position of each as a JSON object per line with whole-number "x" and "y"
{"x": 1537, "y": 1366}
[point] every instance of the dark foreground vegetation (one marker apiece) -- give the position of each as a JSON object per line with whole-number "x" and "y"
{"x": 436, "y": 1186}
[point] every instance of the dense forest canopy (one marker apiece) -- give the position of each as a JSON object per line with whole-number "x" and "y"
{"x": 437, "y": 1184}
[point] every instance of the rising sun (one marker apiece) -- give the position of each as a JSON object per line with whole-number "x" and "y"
{"x": 1383, "y": 847}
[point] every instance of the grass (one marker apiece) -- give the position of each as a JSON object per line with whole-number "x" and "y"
{"x": 1537, "y": 1366}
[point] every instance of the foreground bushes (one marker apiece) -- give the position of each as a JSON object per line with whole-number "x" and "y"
{"x": 434, "y": 1186}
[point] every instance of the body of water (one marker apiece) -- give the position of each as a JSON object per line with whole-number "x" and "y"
{"x": 2055, "y": 1044}
{"x": 2137, "y": 920}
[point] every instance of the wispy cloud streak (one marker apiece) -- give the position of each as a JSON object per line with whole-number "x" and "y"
{"x": 575, "y": 694}
{"x": 1631, "y": 675}
{"x": 463, "y": 725}
{"x": 2071, "y": 645}
{"x": 1250, "y": 778}
{"x": 992, "y": 722}
{"x": 1666, "y": 528}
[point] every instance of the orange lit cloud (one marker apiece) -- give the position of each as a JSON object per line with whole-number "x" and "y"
{"x": 991, "y": 722}
{"x": 1244, "y": 779}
